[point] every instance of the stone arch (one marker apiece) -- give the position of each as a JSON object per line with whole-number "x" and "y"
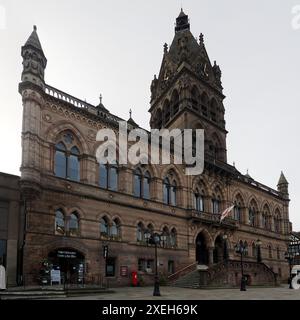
{"x": 102, "y": 215}
{"x": 80, "y": 212}
{"x": 253, "y": 199}
{"x": 206, "y": 234}
{"x": 172, "y": 168}
{"x": 116, "y": 216}
{"x": 217, "y": 187}
{"x": 265, "y": 204}
{"x": 200, "y": 181}
{"x": 238, "y": 195}
{"x": 66, "y": 243}
{"x": 54, "y": 130}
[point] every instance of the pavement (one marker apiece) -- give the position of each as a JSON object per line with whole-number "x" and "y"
{"x": 174, "y": 293}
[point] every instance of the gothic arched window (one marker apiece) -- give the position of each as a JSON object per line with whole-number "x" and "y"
{"x": 265, "y": 218}
{"x": 66, "y": 163}
{"x": 167, "y": 241}
{"x": 216, "y": 201}
{"x": 140, "y": 232}
{"x": 137, "y": 184}
{"x": 115, "y": 228}
{"x": 104, "y": 227}
{"x": 141, "y": 184}
{"x": 59, "y": 222}
{"x": 108, "y": 176}
{"x": 173, "y": 238}
{"x": 238, "y": 208}
{"x": 277, "y": 221}
{"x": 74, "y": 224}
{"x": 170, "y": 189}
{"x": 146, "y": 185}
{"x": 166, "y": 191}
{"x": 198, "y": 201}
{"x": 252, "y": 213}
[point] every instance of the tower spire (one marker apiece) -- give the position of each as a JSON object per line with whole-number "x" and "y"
{"x": 283, "y": 185}
{"x": 34, "y": 60}
{"x": 182, "y": 22}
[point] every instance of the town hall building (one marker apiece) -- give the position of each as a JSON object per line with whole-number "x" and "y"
{"x": 76, "y": 207}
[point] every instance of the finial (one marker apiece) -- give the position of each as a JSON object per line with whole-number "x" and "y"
{"x": 247, "y": 171}
{"x": 201, "y": 38}
{"x": 34, "y": 28}
{"x": 100, "y": 98}
{"x": 166, "y": 47}
{"x": 234, "y": 163}
{"x": 130, "y": 113}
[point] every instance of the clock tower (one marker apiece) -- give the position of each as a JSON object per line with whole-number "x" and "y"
{"x": 188, "y": 91}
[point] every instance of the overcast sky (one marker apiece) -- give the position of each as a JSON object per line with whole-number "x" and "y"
{"x": 115, "y": 47}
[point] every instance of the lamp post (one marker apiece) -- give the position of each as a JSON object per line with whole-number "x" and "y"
{"x": 258, "y": 245}
{"x": 155, "y": 238}
{"x": 242, "y": 249}
{"x": 289, "y": 256}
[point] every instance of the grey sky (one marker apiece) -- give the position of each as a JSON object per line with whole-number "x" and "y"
{"x": 115, "y": 47}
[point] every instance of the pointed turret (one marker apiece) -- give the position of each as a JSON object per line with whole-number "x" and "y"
{"x": 131, "y": 121}
{"x": 182, "y": 22}
{"x": 283, "y": 185}
{"x": 100, "y": 107}
{"x": 34, "y": 60}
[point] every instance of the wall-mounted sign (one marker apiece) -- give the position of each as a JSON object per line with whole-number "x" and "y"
{"x": 66, "y": 254}
{"x": 124, "y": 271}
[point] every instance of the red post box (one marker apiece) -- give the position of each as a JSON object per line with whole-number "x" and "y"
{"x": 134, "y": 278}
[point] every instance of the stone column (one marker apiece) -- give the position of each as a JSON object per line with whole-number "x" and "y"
{"x": 210, "y": 255}
{"x": 157, "y": 189}
{"x": 125, "y": 180}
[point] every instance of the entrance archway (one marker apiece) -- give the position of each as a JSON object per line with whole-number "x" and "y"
{"x": 201, "y": 249}
{"x": 70, "y": 262}
{"x": 218, "y": 254}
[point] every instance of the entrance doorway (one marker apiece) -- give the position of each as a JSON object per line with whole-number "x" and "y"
{"x": 219, "y": 250}
{"x": 201, "y": 250}
{"x": 70, "y": 262}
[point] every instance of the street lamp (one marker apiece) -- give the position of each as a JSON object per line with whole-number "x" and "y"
{"x": 258, "y": 245}
{"x": 155, "y": 238}
{"x": 225, "y": 248}
{"x": 289, "y": 256}
{"x": 242, "y": 249}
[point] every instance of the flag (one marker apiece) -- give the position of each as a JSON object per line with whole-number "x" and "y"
{"x": 226, "y": 212}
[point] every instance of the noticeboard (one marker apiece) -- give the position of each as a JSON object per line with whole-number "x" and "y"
{"x": 124, "y": 271}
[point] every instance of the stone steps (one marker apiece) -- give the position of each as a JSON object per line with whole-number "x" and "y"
{"x": 56, "y": 293}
